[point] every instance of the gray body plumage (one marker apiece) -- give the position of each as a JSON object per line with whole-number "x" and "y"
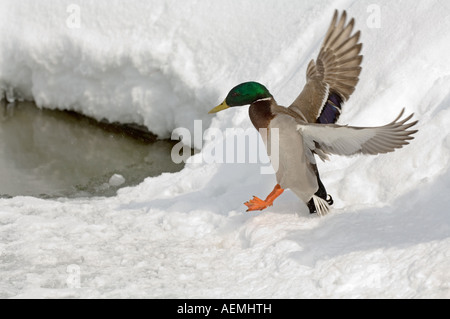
{"x": 293, "y": 167}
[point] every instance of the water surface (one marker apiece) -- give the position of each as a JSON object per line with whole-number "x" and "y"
{"x": 47, "y": 153}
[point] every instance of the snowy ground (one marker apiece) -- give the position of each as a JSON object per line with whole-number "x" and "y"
{"x": 164, "y": 64}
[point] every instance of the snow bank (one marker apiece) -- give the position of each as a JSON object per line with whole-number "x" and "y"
{"x": 164, "y": 64}
{"x": 157, "y": 63}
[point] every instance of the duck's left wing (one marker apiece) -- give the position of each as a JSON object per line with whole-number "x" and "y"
{"x": 348, "y": 140}
{"x": 332, "y": 78}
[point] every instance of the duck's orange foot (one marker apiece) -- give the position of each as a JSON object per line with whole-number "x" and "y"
{"x": 259, "y": 204}
{"x": 256, "y": 204}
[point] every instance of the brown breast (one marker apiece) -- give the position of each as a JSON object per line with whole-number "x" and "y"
{"x": 261, "y": 114}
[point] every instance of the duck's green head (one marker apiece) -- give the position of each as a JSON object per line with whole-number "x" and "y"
{"x": 243, "y": 94}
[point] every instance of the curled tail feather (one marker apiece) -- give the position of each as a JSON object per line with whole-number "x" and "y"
{"x": 322, "y": 206}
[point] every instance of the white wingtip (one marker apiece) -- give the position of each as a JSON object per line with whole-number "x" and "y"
{"x": 322, "y": 206}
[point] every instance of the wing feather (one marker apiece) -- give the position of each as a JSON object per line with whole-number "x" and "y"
{"x": 333, "y": 75}
{"x": 348, "y": 140}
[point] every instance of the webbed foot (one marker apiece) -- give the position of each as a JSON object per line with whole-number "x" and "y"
{"x": 256, "y": 204}
{"x": 259, "y": 204}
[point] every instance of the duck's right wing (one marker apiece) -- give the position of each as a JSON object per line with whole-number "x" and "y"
{"x": 332, "y": 78}
{"x": 347, "y": 140}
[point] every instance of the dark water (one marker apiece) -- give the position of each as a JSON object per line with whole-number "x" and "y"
{"x": 49, "y": 154}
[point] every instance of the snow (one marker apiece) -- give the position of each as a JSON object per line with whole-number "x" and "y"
{"x": 164, "y": 64}
{"x": 117, "y": 180}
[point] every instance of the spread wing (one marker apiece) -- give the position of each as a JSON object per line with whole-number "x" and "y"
{"x": 347, "y": 140}
{"x": 332, "y": 78}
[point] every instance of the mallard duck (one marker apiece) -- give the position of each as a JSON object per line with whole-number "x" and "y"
{"x": 307, "y": 128}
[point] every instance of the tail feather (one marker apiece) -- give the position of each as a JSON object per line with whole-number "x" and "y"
{"x": 322, "y": 206}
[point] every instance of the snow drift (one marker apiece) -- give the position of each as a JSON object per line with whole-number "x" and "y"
{"x": 164, "y": 64}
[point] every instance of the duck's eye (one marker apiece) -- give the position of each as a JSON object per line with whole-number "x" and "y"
{"x": 235, "y": 94}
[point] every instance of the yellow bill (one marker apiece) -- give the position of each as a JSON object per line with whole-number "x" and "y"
{"x": 219, "y": 108}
